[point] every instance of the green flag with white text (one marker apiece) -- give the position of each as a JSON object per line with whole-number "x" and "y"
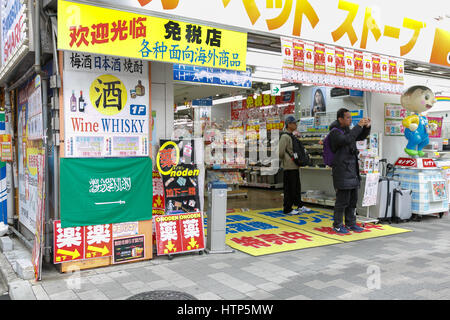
{"x": 105, "y": 190}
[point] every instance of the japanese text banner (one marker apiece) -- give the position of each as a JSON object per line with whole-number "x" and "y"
{"x": 86, "y": 28}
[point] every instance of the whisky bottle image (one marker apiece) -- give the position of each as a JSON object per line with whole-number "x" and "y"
{"x": 140, "y": 89}
{"x": 73, "y": 102}
{"x": 81, "y": 102}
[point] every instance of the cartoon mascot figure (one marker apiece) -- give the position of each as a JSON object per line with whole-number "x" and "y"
{"x": 417, "y": 99}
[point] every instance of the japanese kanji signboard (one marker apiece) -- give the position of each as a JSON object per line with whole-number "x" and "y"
{"x": 106, "y": 106}
{"x": 68, "y": 243}
{"x": 86, "y": 28}
{"x": 179, "y": 176}
{"x": 158, "y": 203}
{"x": 178, "y": 233}
{"x": 385, "y": 27}
{"x": 102, "y": 191}
{"x": 79, "y": 243}
{"x": 129, "y": 249}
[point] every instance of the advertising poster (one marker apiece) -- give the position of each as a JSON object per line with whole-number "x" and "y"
{"x": 393, "y": 70}
{"x": 179, "y": 233}
{"x": 125, "y": 229}
{"x": 340, "y": 61}
{"x": 371, "y": 189}
{"x": 129, "y": 249}
{"x": 68, "y": 243}
{"x": 309, "y": 56}
{"x": 359, "y": 64}
{"x": 30, "y": 154}
{"x": 102, "y": 191}
{"x": 98, "y": 241}
{"x": 438, "y": 190}
{"x": 318, "y": 103}
{"x": 158, "y": 204}
{"x": 299, "y": 55}
{"x": 330, "y": 61}
{"x": 106, "y": 106}
{"x": 349, "y": 63}
{"x": 438, "y": 121}
{"x": 393, "y": 116}
{"x": 319, "y": 58}
{"x": 376, "y": 67}
{"x": 179, "y": 175}
{"x": 384, "y": 68}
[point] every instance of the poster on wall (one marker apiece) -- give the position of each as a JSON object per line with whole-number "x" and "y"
{"x": 129, "y": 249}
{"x": 318, "y": 103}
{"x": 438, "y": 121}
{"x": 106, "y": 106}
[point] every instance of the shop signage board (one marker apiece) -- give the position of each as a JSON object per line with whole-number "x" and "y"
{"x": 420, "y": 163}
{"x": 80, "y": 243}
{"x": 175, "y": 163}
{"x": 86, "y": 28}
{"x": 187, "y": 73}
{"x": 241, "y": 109}
{"x": 384, "y": 27}
{"x": 101, "y": 191}
{"x": 158, "y": 204}
{"x": 177, "y": 233}
{"x": 360, "y": 72}
{"x": 129, "y": 249}
{"x": 6, "y": 148}
{"x": 106, "y": 106}
{"x": 14, "y": 32}
{"x": 125, "y": 229}
{"x": 393, "y": 117}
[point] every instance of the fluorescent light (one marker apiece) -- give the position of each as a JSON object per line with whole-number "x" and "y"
{"x": 226, "y": 100}
{"x": 421, "y": 69}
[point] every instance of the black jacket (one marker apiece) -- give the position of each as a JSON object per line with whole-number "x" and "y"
{"x": 345, "y": 162}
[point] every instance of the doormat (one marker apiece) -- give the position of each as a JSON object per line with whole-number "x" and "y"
{"x": 255, "y": 235}
{"x": 320, "y": 222}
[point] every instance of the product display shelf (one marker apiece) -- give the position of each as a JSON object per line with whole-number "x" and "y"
{"x": 229, "y": 174}
{"x": 310, "y": 141}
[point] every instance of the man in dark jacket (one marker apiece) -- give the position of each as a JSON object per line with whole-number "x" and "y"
{"x": 346, "y": 178}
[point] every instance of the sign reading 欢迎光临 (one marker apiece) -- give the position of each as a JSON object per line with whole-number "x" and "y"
{"x": 103, "y": 191}
{"x": 86, "y": 28}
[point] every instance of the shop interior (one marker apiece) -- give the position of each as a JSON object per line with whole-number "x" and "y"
{"x": 254, "y": 182}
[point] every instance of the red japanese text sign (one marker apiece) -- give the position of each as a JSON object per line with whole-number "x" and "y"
{"x": 79, "y": 243}
{"x": 179, "y": 233}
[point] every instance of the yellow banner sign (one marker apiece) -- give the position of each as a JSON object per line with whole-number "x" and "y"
{"x": 98, "y": 30}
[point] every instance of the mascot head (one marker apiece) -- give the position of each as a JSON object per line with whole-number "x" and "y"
{"x": 418, "y": 99}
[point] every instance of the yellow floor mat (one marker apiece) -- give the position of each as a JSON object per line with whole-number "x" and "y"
{"x": 320, "y": 222}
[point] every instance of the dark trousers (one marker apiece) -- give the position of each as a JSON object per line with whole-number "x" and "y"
{"x": 292, "y": 190}
{"x": 345, "y": 205}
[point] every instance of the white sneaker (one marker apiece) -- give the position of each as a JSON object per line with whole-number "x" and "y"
{"x": 293, "y": 213}
{"x": 304, "y": 209}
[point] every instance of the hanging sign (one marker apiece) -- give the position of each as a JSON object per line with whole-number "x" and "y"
{"x": 86, "y": 28}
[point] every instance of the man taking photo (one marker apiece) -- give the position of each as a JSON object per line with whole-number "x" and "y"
{"x": 345, "y": 168}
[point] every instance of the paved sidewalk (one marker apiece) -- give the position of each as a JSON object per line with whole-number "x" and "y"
{"x": 412, "y": 265}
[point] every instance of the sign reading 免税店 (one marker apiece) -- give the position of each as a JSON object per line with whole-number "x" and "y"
{"x": 86, "y": 28}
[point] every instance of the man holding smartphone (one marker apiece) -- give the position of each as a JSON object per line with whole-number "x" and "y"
{"x": 345, "y": 168}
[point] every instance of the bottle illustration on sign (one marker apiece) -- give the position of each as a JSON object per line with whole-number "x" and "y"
{"x": 140, "y": 89}
{"x": 73, "y": 102}
{"x": 81, "y": 103}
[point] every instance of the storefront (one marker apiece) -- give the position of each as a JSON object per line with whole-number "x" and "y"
{"x": 135, "y": 83}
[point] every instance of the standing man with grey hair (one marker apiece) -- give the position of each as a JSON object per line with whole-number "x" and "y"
{"x": 291, "y": 172}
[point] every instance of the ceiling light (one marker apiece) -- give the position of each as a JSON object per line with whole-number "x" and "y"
{"x": 229, "y": 99}
{"x": 421, "y": 69}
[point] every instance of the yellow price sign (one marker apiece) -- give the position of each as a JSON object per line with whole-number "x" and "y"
{"x": 87, "y": 28}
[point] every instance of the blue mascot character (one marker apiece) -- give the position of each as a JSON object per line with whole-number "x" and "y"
{"x": 417, "y": 99}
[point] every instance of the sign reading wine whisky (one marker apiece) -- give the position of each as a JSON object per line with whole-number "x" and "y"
{"x": 106, "y": 106}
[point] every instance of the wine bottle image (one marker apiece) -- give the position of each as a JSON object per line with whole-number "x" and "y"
{"x": 140, "y": 89}
{"x": 73, "y": 102}
{"x": 81, "y": 102}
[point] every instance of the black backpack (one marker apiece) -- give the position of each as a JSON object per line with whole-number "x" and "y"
{"x": 300, "y": 155}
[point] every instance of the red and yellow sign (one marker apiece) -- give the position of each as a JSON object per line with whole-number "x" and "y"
{"x": 93, "y": 29}
{"x": 179, "y": 233}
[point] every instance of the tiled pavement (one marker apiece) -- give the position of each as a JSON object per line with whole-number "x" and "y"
{"x": 412, "y": 265}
